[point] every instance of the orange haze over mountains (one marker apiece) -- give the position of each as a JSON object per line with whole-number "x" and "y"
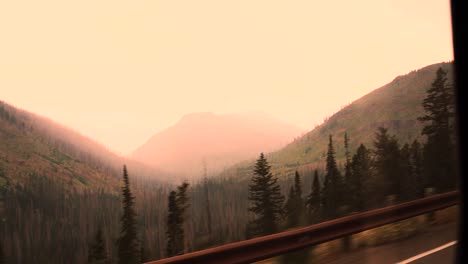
{"x": 219, "y": 140}
{"x": 120, "y": 71}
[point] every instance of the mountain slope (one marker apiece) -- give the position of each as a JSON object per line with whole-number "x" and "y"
{"x": 218, "y": 140}
{"x": 33, "y": 144}
{"x": 57, "y": 187}
{"x": 395, "y": 106}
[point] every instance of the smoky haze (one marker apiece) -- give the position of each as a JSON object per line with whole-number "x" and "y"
{"x": 214, "y": 140}
{"x": 120, "y": 71}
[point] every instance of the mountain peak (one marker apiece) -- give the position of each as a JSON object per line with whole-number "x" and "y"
{"x": 219, "y": 139}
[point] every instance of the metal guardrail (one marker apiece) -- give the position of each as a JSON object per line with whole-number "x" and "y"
{"x": 260, "y": 248}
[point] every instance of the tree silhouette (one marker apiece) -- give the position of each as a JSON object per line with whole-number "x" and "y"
{"x": 313, "y": 201}
{"x": 128, "y": 240}
{"x": 439, "y": 151}
{"x": 358, "y": 183}
{"x": 348, "y": 170}
{"x": 294, "y": 207}
{"x": 175, "y": 231}
{"x": 266, "y": 200}
{"x": 333, "y": 185}
{"x": 183, "y": 204}
{"x": 387, "y": 165}
{"x": 290, "y": 209}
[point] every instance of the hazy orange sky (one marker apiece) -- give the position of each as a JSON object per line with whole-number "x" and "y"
{"x": 119, "y": 71}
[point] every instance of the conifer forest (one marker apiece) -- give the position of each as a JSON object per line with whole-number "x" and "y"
{"x": 120, "y": 214}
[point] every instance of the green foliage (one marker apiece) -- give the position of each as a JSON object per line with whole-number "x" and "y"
{"x": 266, "y": 200}
{"x": 128, "y": 240}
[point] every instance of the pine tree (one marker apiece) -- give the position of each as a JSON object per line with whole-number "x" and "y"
{"x": 361, "y": 174}
{"x": 333, "y": 185}
{"x": 175, "y": 231}
{"x": 183, "y": 204}
{"x": 295, "y": 203}
{"x": 97, "y": 250}
{"x": 295, "y": 211}
{"x": 298, "y": 190}
{"x": 314, "y": 200}
{"x": 128, "y": 240}
{"x": 387, "y": 164}
{"x": 290, "y": 209}
{"x": 182, "y": 197}
{"x": 348, "y": 172}
{"x": 266, "y": 200}
{"x": 439, "y": 106}
{"x": 348, "y": 159}
{"x": 346, "y": 242}
{"x": 439, "y": 152}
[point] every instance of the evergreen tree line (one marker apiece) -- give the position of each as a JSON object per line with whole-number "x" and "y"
{"x": 387, "y": 174}
{"x": 46, "y": 222}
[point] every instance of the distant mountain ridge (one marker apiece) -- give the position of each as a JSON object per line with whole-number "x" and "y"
{"x": 395, "y": 106}
{"x": 218, "y": 140}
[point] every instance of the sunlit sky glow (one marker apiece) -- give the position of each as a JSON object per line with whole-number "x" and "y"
{"x": 119, "y": 71}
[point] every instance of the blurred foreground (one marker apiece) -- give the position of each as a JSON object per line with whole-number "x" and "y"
{"x": 392, "y": 243}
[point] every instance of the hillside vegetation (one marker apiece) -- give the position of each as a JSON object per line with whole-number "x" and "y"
{"x": 31, "y": 143}
{"x": 394, "y": 106}
{"x": 58, "y": 187}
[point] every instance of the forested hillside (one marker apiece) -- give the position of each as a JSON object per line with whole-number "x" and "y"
{"x": 60, "y": 192}
{"x": 56, "y": 187}
{"x": 394, "y": 106}
{"x": 38, "y": 143}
